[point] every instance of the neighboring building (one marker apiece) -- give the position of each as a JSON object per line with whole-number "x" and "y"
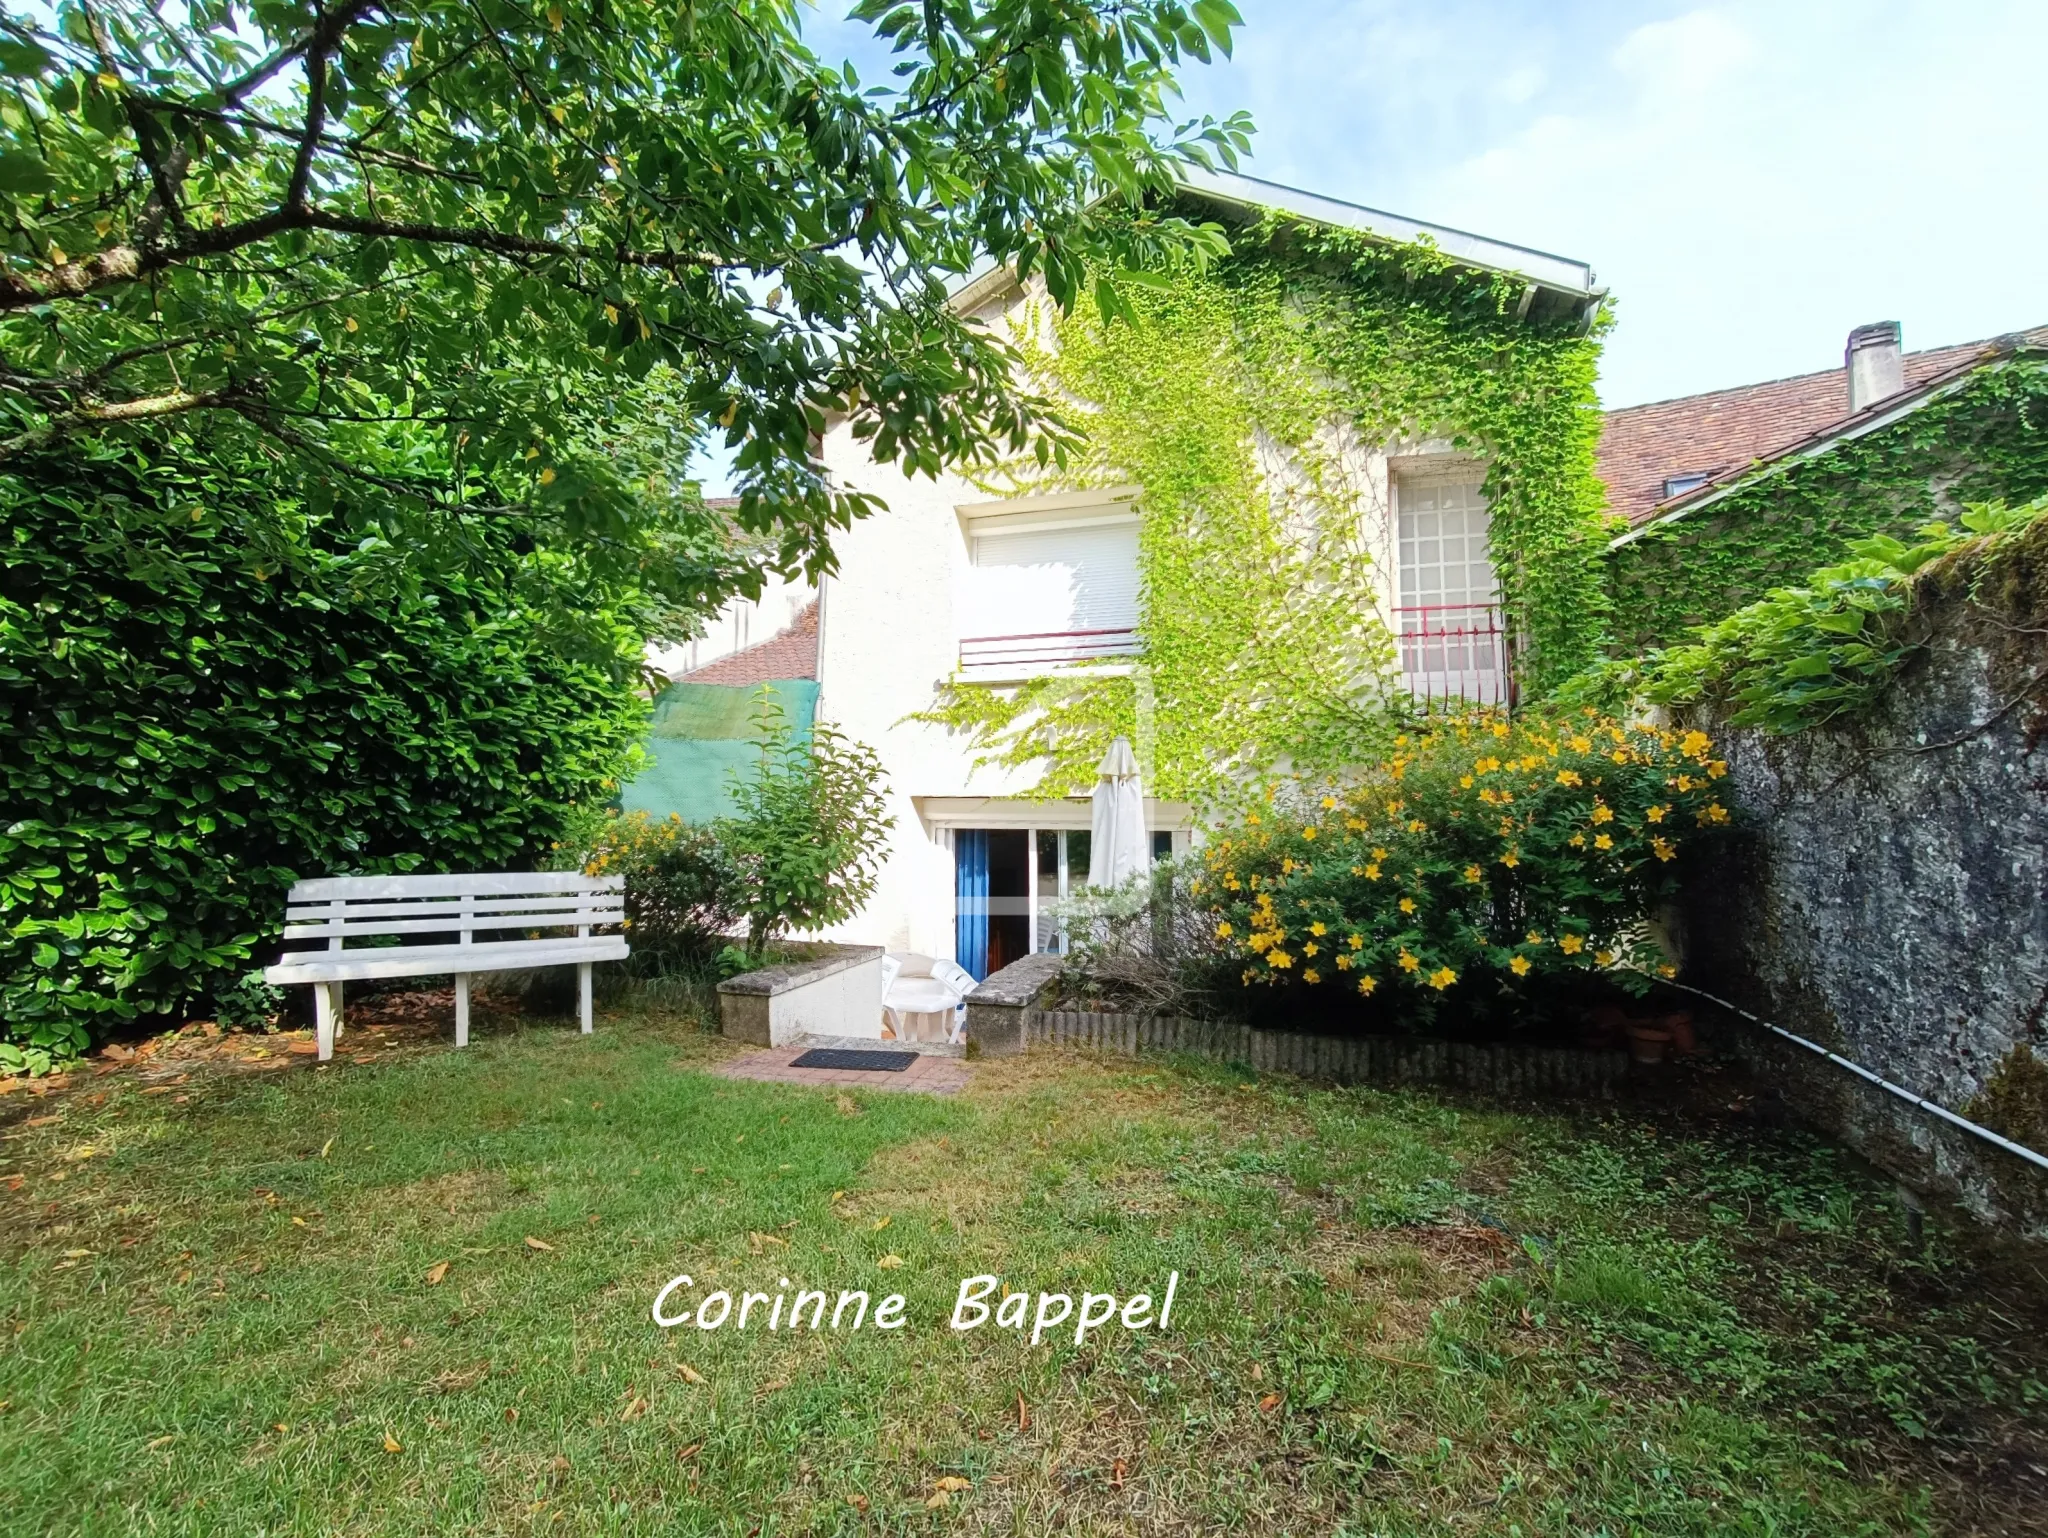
{"x": 1734, "y": 492}
{"x": 952, "y": 585}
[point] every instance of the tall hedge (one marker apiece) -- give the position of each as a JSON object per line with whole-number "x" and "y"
{"x": 207, "y": 691}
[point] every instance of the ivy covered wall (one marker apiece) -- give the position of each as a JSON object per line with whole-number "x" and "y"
{"x": 1244, "y": 401}
{"x": 1987, "y": 441}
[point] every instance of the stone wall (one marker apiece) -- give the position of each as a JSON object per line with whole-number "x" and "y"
{"x": 1887, "y": 893}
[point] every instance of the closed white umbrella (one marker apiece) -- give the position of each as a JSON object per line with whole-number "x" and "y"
{"x": 1118, "y": 847}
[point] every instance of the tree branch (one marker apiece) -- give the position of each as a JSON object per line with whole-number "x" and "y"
{"x": 149, "y": 407}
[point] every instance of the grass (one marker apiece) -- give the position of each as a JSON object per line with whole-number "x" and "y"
{"x": 1398, "y": 1315}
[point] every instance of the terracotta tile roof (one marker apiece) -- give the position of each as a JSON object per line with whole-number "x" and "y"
{"x": 1723, "y": 430}
{"x": 791, "y": 653}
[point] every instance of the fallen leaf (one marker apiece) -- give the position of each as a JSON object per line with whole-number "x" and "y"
{"x": 1269, "y": 1404}
{"x": 538, "y": 1244}
{"x": 938, "y": 1502}
{"x": 282, "y": 1426}
{"x": 685, "y": 1454}
{"x": 690, "y": 1374}
{"x": 44, "y": 1121}
{"x": 1117, "y": 1470}
{"x": 773, "y": 1388}
{"x": 838, "y": 1196}
{"x": 879, "y": 1224}
{"x": 635, "y": 1409}
{"x": 859, "y": 1503}
{"x": 1257, "y": 1374}
{"x": 76, "y": 1254}
{"x": 326, "y": 1147}
{"x": 437, "y": 1273}
{"x": 160, "y": 1441}
{"x": 890, "y": 1262}
{"x": 1023, "y": 1414}
{"x": 297, "y": 1221}
{"x": 952, "y": 1482}
{"x": 304, "y": 1048}
{"x": 511, "y": 1415}
{"x": 391, "y": 1444}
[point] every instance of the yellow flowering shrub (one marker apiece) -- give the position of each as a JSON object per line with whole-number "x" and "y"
{"x": 1482, "y": 847}
{"x": 683, "y": 894}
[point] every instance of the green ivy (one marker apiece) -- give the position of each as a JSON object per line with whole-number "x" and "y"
{"x": 1986, "y": 442}
{"x": 1263, "y": 626}
{"x": 207, "y": 693}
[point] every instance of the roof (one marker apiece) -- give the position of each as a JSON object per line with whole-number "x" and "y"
{"x": 1724, "y": 434}
{"x": 789, "y": 653}
{"x": 1560, "y": 275}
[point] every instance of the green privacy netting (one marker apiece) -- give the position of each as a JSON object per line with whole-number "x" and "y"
{"x": 700, "y": 737}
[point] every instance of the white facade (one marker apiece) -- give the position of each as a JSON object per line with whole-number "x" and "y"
{"x": 949, "y": 584}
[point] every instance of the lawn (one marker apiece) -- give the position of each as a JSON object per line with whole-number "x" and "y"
{"x": 227, "y": 1311}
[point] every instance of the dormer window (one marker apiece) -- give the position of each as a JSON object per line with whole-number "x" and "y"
{"x": 1679, "y": 485}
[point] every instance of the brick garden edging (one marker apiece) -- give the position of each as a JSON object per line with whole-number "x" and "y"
{"x": 1003, "y": 1017}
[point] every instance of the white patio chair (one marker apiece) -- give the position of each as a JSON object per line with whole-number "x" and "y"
{"x": 922, "y": 1003}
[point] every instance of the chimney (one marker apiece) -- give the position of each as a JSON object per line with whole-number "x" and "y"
{"x": 1876, "y": 365}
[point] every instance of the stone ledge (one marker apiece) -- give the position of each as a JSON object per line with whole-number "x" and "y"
{"x": 1018, "y": 985}
{"x": 795, "y": 974}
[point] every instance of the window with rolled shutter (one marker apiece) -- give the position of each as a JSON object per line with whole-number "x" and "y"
{"x": 1044, "y": 596}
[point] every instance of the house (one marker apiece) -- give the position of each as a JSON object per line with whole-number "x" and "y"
{"x": 1730, "y": 493}
{"x": 1380, "y": 508}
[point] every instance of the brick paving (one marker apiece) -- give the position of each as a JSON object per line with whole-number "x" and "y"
{"x": 932, "y": 1074}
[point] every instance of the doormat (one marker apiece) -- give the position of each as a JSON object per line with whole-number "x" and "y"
{"x": 842, "y": 1057}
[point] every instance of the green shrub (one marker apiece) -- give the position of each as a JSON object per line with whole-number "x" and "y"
{"x": 683, "y": 892}
{"x": 1481, "y": 848}
{"x": 1804, "y": 655}
{"x": 809, "y": 831}
{"x": 208, "y": 691}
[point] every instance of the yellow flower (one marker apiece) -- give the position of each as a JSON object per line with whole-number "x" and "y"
{"x": 1318, "y": 928}
{"x": 1309, "y": 834}
{"x": 1602, "y": 812}
{"x": 1442, "y": 978}
{"x": 1533, "y": 937}
{"x": 1309, "y": 949}
{"x": 1695, "y": 744}
{"x": 1569, "y": 777}
{"x": 1713, "y": 811}
{"x": 1367, "y": 984}
{"x": 1329, "y": 803}
{"x": 1511, "y": 859}
{"x": 1407, "y": 905}
{"x": 1357, "y": 942}
{"x": 1252, "y": 819}
{"x": 1418, "y": 826}
{"x": 1603, "y": 958}
{"x": 1582, "y": 745}
{"x": 1280, "y": 959}
{"x": 1473, "y": 873}
{"x": 1663, "y": 848}
{"x": 1717, "y": 768}
{"x": 1577, "y": 841}
{"x": 1519, "y": 966}
{"x": 1409, "y": 963}
{"x": 1372, "y": 873}
{"x": 1379, "y": 854}
{"x": 1343, "y": 962}
{"x": 1604, "y": 841}
{"x": 1571, "y": 945}
{"x": 1465, "y": 781}
{"x": 1224, "y": 931}
{"x": 1667, "y": 970}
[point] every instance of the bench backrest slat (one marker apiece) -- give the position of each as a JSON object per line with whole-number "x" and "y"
{"x": 508, "y": 883}
{"x": 340, "y": 906}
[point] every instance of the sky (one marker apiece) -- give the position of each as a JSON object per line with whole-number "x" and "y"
{"x": 1750, "y": 180}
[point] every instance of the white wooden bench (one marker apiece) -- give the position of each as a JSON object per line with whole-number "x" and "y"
{"x": 339, "y": 908}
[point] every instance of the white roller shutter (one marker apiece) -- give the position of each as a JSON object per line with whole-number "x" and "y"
{"x": 1043, "y": 581}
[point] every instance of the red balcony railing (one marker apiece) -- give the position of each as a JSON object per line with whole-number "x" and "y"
{"x": 1456, "y": 651}
{"x": 980, "y": 654}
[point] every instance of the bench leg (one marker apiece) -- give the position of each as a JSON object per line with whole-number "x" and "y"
{"x": 326, "y": 1016}
{"x": 583, "y": 995}
{"x": 461, "y": 1009}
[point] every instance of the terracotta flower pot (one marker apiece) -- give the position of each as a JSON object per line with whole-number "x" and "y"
{"x": 1648, "y": 1043}
{"x": 1683, "y": 1041}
